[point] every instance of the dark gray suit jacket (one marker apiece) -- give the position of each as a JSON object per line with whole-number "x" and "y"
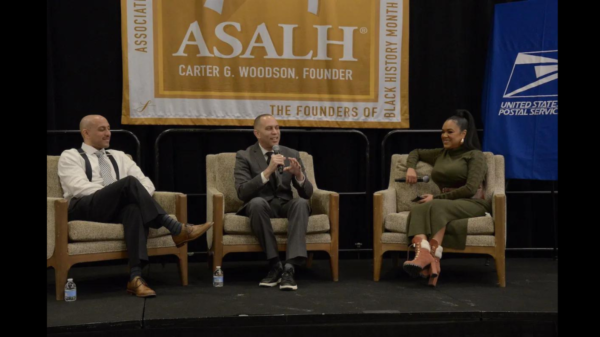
{"x": 250, "y": 163}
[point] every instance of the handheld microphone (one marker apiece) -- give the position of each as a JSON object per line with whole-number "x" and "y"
{"x": 276, "y": 151}
{"x": 425, "y": 179}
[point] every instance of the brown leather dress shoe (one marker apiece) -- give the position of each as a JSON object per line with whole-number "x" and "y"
{"x": 191, "y": 232}
{"x": 139, "y": 288}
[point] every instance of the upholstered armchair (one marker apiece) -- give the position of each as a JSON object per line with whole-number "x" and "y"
{"x": 232, "y": 233}
{"x": 72, "y": 242}
{"x": 485, "y": 235}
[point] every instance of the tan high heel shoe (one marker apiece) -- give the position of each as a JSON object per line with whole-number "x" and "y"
{"x": 423, "y": 257}
{"x": 435, "y": 268}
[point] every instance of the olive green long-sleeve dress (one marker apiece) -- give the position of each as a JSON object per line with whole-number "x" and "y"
{"x": 459, "y": 168}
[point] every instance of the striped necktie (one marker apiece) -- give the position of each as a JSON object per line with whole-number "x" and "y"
{"x": 104, "y": 169}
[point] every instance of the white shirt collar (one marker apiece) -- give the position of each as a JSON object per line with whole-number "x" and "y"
{"x": 90, "y": 149}
{"x": 264, "y": 152}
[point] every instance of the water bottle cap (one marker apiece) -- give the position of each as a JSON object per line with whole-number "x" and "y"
{"x": 69, "y": 280}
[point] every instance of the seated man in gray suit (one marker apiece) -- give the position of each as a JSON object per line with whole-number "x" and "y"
{"x": 267, "y": 193}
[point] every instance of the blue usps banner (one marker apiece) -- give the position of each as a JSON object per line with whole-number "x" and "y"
{"x": 520, "y": 99}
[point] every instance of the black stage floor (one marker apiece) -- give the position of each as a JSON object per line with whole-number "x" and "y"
{"x": 467, "y": 301}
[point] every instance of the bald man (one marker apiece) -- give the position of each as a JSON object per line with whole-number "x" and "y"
{"x": 268, "y": 194}
{"x": 116, "y": 191}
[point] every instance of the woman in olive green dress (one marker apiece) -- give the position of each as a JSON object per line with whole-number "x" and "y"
{"x": 459, "y": 169}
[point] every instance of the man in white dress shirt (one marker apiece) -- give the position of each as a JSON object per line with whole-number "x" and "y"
{"x": 107, "y": 186}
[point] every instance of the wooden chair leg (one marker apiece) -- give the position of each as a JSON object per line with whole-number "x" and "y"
{"x": 209, "y": 259}
{"x": 396, "y": 259}
{"x": 334, "y": 261}
{"x": 309, "y": 260}
{"x": 501, "y": 270}
{"x": 183, "y": 265}
{"x": 217, "y": 261}
{"x": 377, "y": 259}
{"x": 60, "y": 277}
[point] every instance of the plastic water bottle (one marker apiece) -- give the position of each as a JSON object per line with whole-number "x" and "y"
{"x": 70, "y": 291}
{"x": 218, "y": 277}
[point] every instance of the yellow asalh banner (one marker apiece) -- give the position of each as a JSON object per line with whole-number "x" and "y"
{"x": 315, "y": 63}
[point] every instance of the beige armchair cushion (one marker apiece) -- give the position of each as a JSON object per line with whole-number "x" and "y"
{"x": 98, "y": 231}
{"x": 50, "y": 227}
{"x": 237, "y": 224}
{"x": 472, "y": 240}
{"x": 78, "y": 248}
{"x": 483, "y": 225}
{"x": 53, "y": 188}
{"x": 230, "y": 240}
{"x": 220, "y": 174}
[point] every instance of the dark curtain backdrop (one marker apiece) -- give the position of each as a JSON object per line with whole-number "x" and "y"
{"x": 448, "y": 50}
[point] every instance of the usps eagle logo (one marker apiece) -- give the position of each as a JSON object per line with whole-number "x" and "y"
{"x": 217, "y": 6}
{"x": 534, "y": 74}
